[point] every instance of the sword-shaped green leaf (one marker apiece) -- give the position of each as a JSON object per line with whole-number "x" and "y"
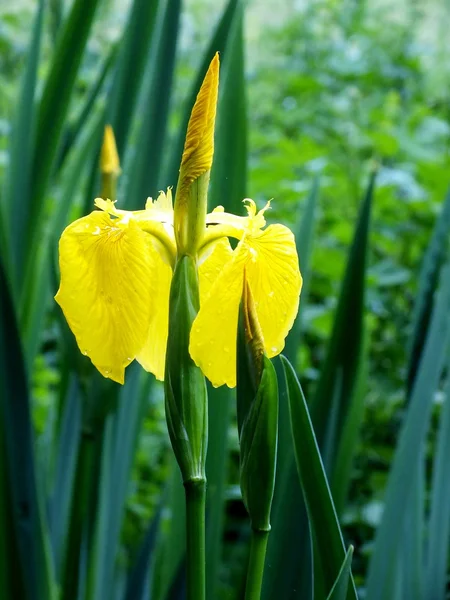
{"x": 144, "y": 174}
{"x": 30, "y": 528}
{"x": 404, "y": 470}
{"x": 316, "y": 492}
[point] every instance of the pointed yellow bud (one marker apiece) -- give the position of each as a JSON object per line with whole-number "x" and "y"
{"x": 196, "y": 162}
{"x": 199, "y": 146}
{"x": 109, "y": 158}
{"x": 109, "y": 164}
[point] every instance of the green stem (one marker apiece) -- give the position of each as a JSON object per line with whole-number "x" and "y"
{"x": 255, "y": 573}
{"x": 195, "y": 538}
{"x": 109, "y": 181}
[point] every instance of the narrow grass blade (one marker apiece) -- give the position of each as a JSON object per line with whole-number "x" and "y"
{"x": 74, "y": 130}
{"x": 349, "y": 436}
{"x": 83, "y": 505}
{"x": 66, "y": 457}
{"x": 304, "y": 235}
{"x": 54, "y": 106}
{"x": 74, "y": 174}
{"x": 429, "y": 276}
{"x": 119, "y": 447}
{"x": 15, "y": 421}
{"x": 172, "y": 541}
{"x": 144, "y": 175}
{"x": 411, "y": 548}
{"x": 19, "y": 183}
{"x": 133, "y": 57}
{"x": 52, "y": 112}
{"x": 220, "y": 403}
{"x": 11, "y": 577}
{"x": 339, "y": 589}
{"x": 403, "y": 474}
{"x": 335, "y": 392}
{"x": 231, "y": 128}
{"x": 219, "y": 43}
{"x": 139, "y": 580}
{"x": 316, "y": 492}
{"x": 289, "y": 551}
{"x": 289, "y": 548}
{"x": 439, "y": 520}
{"x": 36, "y": 288}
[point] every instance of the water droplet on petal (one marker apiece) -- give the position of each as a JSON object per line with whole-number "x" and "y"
{"x": 129, "y": 358}
{"x": 271, "y": 294}
{"x": 274, "y": 349}
{"x": 209, "y": 363}
{"x": 84, "y": 352}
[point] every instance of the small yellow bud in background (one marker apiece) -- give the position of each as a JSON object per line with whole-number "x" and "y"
{"x": 196, "y": 162}
{"x": 109, "y": 164}
{"x": 109, "y": 158}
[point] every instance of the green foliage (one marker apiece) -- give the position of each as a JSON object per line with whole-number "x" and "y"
{"x": 90, "y": 501}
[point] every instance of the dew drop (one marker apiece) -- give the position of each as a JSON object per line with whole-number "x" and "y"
{"x": 84, "y": 352}
{"x": 274, "y": 349}
{"x": 209, "y": 363}
{"x": 271, "y": 294}
{"x": 129, "y": 358}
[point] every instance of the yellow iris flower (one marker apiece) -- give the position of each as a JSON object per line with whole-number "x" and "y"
{"x": 116, "y": 270}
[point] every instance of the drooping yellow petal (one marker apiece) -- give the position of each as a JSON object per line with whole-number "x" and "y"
{"x": 274, "y": 278}
{"x": 213, "y": 334}
{"x": 211, "y": 264}
{"x": 153, "y": 354}
{"x": 271, "y": 265}
{"x": 106, "y": 289}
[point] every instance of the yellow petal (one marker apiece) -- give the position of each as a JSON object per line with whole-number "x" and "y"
{"x": 153, "y": 354}
{"x": 274, "y": 278}
{"x": 213, "y": 334}
{"x": 216, "y": 256}
{"x": 271, "y": 264}
{"x": 106, "y": 289}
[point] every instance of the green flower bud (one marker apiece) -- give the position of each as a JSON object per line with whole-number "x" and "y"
{"x": 257, "y": 409}
{"x": 184, "y": 383}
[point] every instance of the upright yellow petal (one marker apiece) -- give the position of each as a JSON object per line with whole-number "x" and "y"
{"x": 213, "y": 334}
{"x": 106, "y": 289}
{"x": 274, "y": 278}
{"x": 153, "y": 353}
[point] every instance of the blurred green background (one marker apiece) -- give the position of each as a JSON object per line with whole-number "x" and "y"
{"x": 314, "y": 96}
